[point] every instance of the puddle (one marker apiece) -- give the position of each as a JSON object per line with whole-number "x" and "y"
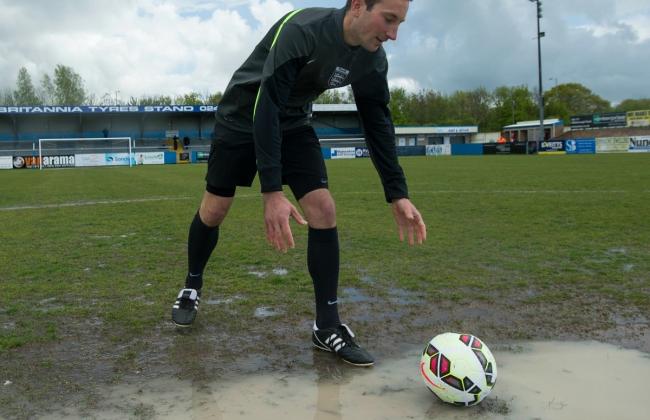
{"x": 403, "y": 297}
{"x": 223, "y": 301}
{"x": 280, "y": 271}
{"x": 543, "y": 380}
{"x": 258, "y": 274}
{"x": 354, "y": 295}
{"x": 367, "y": 279}
{"x": 628, "y": 267}
{"x": 265, "y": 312}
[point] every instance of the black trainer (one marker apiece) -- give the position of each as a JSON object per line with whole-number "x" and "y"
{"x": 186, "y": 307}
{"x": 340, "y": 340}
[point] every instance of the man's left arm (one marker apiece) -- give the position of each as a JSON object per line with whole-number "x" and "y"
{"x": 372, "y": 96}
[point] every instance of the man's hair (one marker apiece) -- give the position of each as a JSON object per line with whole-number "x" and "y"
{"x": 369, "y": 4}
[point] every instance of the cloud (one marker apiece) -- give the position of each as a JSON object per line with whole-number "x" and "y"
{"x": 171, "y": 47}
{"x": 461, "y": 45}
{"x": 139, "y": 48}
{"x": 408, "y": 84}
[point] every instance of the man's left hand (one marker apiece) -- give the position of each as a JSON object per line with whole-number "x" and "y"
{"x": 409, "y": 221}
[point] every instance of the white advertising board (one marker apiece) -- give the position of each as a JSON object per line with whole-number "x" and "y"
{"x": 6, "y": 162}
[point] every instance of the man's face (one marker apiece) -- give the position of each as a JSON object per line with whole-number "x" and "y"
{"x": 373, "y": 27}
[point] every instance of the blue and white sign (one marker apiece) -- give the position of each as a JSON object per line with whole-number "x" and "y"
{"x": 104, "y": 159}
{"x": 117, "y": 159}
{"x": 551, "y": 147}
{"x": 639, "y": 144}
{"x": 362, "y": 152}
{"x": 150, "y": 158}
{"x": 344, "y": 152}
{"x": 580, "y": 146}
{"x": 438, "y": 150}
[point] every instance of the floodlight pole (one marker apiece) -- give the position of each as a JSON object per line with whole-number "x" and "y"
{"x": 539, "y": 72}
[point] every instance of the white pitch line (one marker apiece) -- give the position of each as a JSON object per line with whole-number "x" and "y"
{"x": 522, "y": 192}
{"x": 91, "y": 203}
{"x": 378, "y": 193}
{"x": 496, "y": 192}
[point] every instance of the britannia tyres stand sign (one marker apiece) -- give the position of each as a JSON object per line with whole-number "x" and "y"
{"x": 87, "y": 109}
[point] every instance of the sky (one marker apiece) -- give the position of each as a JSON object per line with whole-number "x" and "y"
{"x": 125, "y": 48}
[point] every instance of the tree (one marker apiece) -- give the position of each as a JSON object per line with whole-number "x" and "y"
{"x": 213, "y": 98}
{"x": 151, "y": 100}
{"x": 633, "y": 105}
{"x": 192, "y": 98}
{"x": 570, "y": 99}
{"x": 398, "y": 103}
{"x": 25, "y": 94}
{"x": 469, "y": 107}
{"x": 6, "y": 98}
{"x": 46, "y": 92}
{"x": 425, "y": 108}
{"x": 336, "y": 96}
{"x": 68, "y": 86}
{"x": 510, "y": 105}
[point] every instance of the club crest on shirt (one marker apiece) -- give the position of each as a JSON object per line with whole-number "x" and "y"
{"x": 338, "y": 77}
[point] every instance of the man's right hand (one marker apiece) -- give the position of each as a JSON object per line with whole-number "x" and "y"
{"x": 277, "y": 211}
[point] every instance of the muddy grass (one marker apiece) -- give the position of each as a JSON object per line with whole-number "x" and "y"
{"x": 224, "y": 344}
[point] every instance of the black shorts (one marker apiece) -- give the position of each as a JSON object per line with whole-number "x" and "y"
{"x": 232, "y": 162}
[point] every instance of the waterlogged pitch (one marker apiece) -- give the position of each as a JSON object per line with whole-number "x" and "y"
{"x": 91, "y": 260}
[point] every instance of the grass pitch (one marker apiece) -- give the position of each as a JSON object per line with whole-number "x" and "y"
{"x": 107, "y": 246}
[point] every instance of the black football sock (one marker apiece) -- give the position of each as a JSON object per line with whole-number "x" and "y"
{"x": 201, "y": 241}
{"x": 323, "y": 265}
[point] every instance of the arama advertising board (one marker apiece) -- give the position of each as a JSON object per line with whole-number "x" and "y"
{"x": 26, "y": 162}
{"x": 59, "y": 161}
{"x": 33, "y": 162}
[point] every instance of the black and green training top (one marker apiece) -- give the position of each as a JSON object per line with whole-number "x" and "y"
{"x": 301, "y": 56}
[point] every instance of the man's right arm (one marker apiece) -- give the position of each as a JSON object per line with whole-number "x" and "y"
{"x": 287, "y": 57}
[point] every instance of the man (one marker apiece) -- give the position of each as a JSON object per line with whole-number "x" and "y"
{"x": 263, "y": 126}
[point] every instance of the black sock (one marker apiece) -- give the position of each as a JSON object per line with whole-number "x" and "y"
{"x": 323, "y": 265}
{"x": 201, "y": 241}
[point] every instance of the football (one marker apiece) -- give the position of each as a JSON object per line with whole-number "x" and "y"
{"x": 458, "y": 368}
